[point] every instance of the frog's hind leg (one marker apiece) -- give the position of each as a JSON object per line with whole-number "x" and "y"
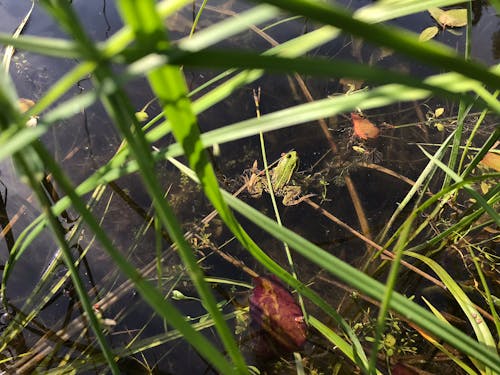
{"x": 293, "y": 202}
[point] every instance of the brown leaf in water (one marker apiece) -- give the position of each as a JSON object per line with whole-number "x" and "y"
{"x": 491, "y": 160}
{"x": 25, "y": 104}
{"x": 274, "y": 309}
{"x": 364, "y": 128}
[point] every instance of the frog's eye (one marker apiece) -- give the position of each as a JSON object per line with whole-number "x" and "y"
{"x": 288, "y": 156}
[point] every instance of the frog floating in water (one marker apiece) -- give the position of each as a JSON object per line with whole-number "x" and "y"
{"x": 280, "y": 179}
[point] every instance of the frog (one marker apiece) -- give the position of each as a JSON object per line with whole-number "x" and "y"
{"x": 281, "y": 176}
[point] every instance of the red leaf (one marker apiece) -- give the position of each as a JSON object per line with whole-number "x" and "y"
{"x": 274, "y": 309}
{"x": 364, "y": 128}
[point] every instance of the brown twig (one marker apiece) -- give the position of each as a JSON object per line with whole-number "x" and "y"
{"x": 389, "y": 172}
{"x": 371, "y": 243}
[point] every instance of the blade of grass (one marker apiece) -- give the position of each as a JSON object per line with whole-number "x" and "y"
{"x": 478, "y": 325}
{"x": 197, "y": 18}
{"x": 31, "y": 173}
{"x": 472, "y": 136}
{"x": 474, "y": 194}
{"x": 367, "y": 285}
{"x": 123, "y": 114}
{"x": 395, "y": 38}
{"x": 213, "y": 58}
{"x": 381, "y": 10}
{"x": 42, "y": 45}
{"x": 440, "y": 347}
{"x": 170, "y": 88}
{"x": 488, "y": 144}
{"x": 484, "y": 283}
{"x": 425, "y": 174}
{"x": 336, "y": 340}
{"x": 388, "y": 293}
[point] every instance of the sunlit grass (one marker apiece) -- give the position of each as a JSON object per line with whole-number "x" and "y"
{"x": 143, "y": 49}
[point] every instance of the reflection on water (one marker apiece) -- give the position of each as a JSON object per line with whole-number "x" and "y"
{"x": 89, "y": 139}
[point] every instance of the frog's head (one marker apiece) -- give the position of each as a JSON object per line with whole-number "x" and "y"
{"x": 291, "y": 156}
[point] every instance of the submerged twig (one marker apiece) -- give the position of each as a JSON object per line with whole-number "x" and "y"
{"x": 388, "y": 254}
{"x": 371, "y": 243}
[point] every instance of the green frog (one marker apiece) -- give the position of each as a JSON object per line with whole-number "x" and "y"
{"x": 280, "y": 175}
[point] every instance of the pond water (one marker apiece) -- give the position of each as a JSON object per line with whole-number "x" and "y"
{"x": 89, "y": 139}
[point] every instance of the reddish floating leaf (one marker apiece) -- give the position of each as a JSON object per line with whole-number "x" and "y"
{"x": 364, "y": 128}
{"x": 274, "y": 309}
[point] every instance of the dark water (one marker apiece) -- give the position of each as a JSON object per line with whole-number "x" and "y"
{"x": 89, "y": 139}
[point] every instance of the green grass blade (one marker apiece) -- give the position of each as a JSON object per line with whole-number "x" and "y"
{"x": 442, "y": 348}
{"x": 169, "y": 86}
{"x": 336, "y": 340}
{"x": 42, "y": 45}
{"x": 369, "y": 286}
{"x": 123, "y": 114}
{"x": 229, "y": 27}
{"x": 488, "y": 144}
{"x": 474, "y": 194}
{"x": 397, "y": 39}
{"x": 383, "y": 10}
{"x": 478, "y": 324}
{"x": 23, "y": 241}
{"x": 389, "y": 290}
{"x": 30, "y": 172}
{"x": 496, "y": 4}
{"x": 426, "y": 172}
{"x": 304, "y": 65}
